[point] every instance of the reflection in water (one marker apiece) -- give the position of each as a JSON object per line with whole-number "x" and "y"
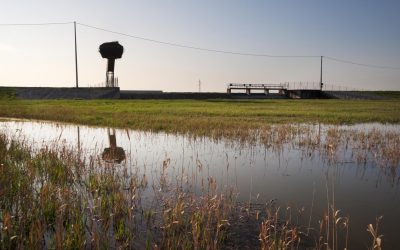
{"x": 356, "y": 168}
{"x": 113, "y": 154}
{"x": 79, "y": 139}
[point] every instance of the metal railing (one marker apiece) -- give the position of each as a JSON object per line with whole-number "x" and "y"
{"x": 255, "y": 86}
{"x": 316, "y": 86}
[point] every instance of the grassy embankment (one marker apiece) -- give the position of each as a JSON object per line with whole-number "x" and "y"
{"x": 202, "y": 117}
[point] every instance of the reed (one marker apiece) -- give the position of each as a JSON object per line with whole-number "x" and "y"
{"x": 203, "y": 117}
{"x": 55, "y": 197}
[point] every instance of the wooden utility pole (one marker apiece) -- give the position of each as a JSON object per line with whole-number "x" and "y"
{"x": 76, "y": 58}
{"x": 320, "y": 79}
{"x": 199, "y": 85}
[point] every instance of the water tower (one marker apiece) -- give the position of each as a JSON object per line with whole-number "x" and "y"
{"x": 111, "y": 51}
{"x": 113, "y": 154}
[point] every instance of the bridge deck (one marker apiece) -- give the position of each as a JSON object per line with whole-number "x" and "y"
{"x": 256, "y": 86}
{"x": 248, "y": 87}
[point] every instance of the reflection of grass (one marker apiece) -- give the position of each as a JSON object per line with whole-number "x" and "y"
{"x": 54, "y": 199}
{"x": 203, "y": 117}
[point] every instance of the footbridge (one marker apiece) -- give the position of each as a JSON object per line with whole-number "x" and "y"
{"x": 281, "y": 89}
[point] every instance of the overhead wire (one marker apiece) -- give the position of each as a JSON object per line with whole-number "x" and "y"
{"x": 33, "y": 24}
{"x": 239, "y": 53}
{"x": 196, "y": 48}
{"x": 205, "y": 49}
{"x": 361, "y": 64}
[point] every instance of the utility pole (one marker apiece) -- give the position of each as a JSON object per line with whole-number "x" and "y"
{"x": 199, "y": 85}
{"x": 76, "y": 58}
{"x": 320, "y": 80}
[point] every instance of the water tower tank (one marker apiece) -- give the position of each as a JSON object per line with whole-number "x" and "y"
{"x": 111, "y": 51}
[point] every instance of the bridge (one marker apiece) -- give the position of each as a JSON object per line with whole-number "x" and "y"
{"x": 281, "y": 88}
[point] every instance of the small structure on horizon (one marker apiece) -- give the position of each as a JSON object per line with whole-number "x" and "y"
{"x": 111, "y": 51}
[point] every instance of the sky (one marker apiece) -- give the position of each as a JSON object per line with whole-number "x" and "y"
{"x": 363, "y": 31}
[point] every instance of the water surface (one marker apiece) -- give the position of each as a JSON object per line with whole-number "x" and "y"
{"x": 300, "y": 166}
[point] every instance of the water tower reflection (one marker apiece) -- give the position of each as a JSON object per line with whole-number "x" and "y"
{"x": 113, "y": 154}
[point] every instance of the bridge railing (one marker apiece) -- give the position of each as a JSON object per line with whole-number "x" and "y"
{"x": 316, "y": 86}
{"x": 302, "y": 85}
{"x": 255, "y": 86}
{"x": 292, "y": 86}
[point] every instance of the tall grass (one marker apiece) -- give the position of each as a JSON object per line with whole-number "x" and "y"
{"x": 231, "y": 118}
{"x": 56, "y": 198}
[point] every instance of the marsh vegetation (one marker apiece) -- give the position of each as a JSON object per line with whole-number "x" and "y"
{"x": 233, "y": 118}
{"x": 288, "y": 186}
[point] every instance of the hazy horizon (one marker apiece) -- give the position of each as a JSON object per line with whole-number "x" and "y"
{"x": 361, "y": 31}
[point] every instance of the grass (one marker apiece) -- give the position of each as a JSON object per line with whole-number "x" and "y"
{"x": 386, "y": 94}
{"x": 203, "y": 117}
{"x": 7, "y": 93}
{"x": 55, "y": 197}
{"x": 52, "y": 198}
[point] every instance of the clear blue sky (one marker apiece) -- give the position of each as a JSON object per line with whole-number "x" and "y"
{"x": 364, "y": 31}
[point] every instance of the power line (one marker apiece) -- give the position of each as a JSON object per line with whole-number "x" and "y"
{"x": 206, "y": 49}
{"x": 33, "y": 24}
{"x": 239, "y": 53}
{"x": 362, "y": 64}
{"x": 196, "y": 48}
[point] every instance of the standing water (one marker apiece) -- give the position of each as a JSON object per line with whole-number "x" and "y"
{"x": 330, "y": 182}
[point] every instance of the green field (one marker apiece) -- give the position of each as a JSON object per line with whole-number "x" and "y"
{"x": 46, "y": 195}
{"x": 202, "y": 117}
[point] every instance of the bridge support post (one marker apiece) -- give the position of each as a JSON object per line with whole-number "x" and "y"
{"x": 266, "y": 91}
{"x": 248, "y": 91}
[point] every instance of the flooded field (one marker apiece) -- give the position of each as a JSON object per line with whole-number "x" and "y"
{"x": 298, "y": 185}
